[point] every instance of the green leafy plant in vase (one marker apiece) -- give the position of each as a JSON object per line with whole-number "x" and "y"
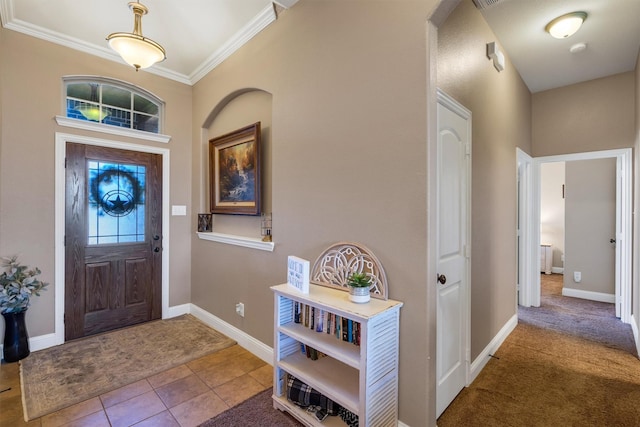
{"x": 18, "y": 283}
{"x": 359, "y": 285}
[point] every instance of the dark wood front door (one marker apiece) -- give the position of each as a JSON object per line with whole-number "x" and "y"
{"x": 113, "y": 239}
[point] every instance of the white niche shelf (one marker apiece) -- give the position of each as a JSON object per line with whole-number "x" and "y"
{"x": 232, "y": 239}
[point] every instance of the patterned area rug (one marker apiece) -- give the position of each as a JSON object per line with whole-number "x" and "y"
{"x": 256, "y": 411}
{"x": 67, "y": 374}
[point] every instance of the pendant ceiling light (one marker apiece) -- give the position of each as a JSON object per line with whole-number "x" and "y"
{"x": 136, "y": 49}
{"x": 566, "y": 25}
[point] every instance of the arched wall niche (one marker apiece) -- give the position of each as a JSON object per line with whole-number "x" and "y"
{"x": 238, "y": 109}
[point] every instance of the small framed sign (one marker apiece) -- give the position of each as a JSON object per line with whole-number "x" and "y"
{"x": 298, "y": 273}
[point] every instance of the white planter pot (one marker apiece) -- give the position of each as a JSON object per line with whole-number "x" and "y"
{"x": 359, "y": 295}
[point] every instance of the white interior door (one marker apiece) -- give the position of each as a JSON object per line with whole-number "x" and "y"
{"x": 453, "y": 225}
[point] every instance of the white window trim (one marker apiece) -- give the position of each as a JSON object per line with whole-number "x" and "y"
{"x": 112, "y": 130}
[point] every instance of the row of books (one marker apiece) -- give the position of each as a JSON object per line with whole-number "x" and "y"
{"x": 311, "y": 352}
{"x": 326, "y": 322}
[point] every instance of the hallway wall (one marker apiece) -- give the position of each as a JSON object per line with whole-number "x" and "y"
{"x": 589, "y": 116}
{"x": 465, "y": 73}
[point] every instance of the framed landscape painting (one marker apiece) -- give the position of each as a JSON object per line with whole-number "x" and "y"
{"x": 234, "y": 171}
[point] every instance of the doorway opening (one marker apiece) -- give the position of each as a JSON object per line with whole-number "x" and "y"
{"x": 530, "y": 203}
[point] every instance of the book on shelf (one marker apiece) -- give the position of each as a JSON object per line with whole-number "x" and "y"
{"x": 322, "y": 321}
{"x": 311, "y": 352}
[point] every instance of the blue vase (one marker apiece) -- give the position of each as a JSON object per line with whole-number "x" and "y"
{"x": 16, "y": 340}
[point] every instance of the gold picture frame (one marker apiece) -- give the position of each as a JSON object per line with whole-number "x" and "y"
{"x": 234, "y": 171}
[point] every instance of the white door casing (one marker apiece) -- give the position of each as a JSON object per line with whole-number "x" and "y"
{"x": 60, "y": 153}
{"x": 452, "y": 249}
{"x": 527, "y": 271}
{"x": 624, "y": 216}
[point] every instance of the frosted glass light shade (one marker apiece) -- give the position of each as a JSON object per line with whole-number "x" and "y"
{"x": 137, "y": 51}
{"x": 566, "y": 25}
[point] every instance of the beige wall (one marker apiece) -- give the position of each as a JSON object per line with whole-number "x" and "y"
{"x": 590, "y": 116}
{"x": 590, "y": 222}
{"x": 31, "y": 73}
{"x": 348, "y": 88}
{"x": 500, "y": 104}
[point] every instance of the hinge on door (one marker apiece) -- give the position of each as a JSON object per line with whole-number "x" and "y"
{"x": 65, "y": 162}
{"x": 467, "y": 149}
{"x": 467, "y": 251}
{"x": 64, "y": 240}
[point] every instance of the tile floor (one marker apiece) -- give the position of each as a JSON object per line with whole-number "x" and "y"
{"x": 184, "y": 396}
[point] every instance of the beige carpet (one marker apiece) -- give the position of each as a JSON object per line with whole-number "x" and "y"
{"x": 567, "y": 363}
{"x": 61, "y": 376}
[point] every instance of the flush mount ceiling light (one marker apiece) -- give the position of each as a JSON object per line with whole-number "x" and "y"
{"x": 136, "y": 49}
{"x": 566, "y": 25}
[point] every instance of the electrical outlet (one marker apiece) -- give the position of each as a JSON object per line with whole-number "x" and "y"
{"x": 240, "y": 309}
{"x": 577, "y": 276}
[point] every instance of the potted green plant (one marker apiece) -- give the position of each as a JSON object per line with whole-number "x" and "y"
{"x": 359, "y": 285}
{"x": 17, "y": 284}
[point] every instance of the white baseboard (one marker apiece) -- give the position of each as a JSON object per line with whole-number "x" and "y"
{"x": 245, "y": 340}
{"x": 177, "y": 310}
{"x": 593, "y": 296}
{"x": 557, "y": 270}
{"x": 483, "y": 358}
{"x": 634, "y": 329}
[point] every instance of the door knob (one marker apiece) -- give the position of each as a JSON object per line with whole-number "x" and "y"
{"x": 612, "y": 240}
{"x": 442, "y": 279}
{"x": 156, "y": 249}
{"x": 156, "y": 237}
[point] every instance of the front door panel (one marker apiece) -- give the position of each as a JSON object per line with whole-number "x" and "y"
{"x": 112, "y": 239}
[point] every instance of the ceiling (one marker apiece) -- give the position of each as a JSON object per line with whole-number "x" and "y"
{"x": 196, "y": 34}
{"x": 611, "y": 33}
{"x": 200, "y": 34}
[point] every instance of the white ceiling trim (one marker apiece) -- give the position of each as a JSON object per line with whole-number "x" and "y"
{"x": 246, "y": 33}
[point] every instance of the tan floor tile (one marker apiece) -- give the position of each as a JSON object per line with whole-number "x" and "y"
{"x": 182, "y": 390}
{"x": 169, "y": 376}
{"x": 263, "y": 375}
{"x": 97, "y": 419}
{"x": 125, "y": 393}
{"x": 163, "y": 419}
{"x": 135, "y": 410}
{"x": 220, "y": 374}
{"x": 10, "y": 408}
{"x": 217, "y": 358}
{"x": 249, "y": 362}
{"x": 199, "y": 409}
{"x": 72, "y": 413}
{"x": 239, "y": 390}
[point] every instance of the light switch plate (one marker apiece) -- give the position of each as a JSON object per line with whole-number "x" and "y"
{"x": 178, "y": 210}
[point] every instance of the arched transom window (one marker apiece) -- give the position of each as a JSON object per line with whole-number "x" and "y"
{"x": 113, "y": 103}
